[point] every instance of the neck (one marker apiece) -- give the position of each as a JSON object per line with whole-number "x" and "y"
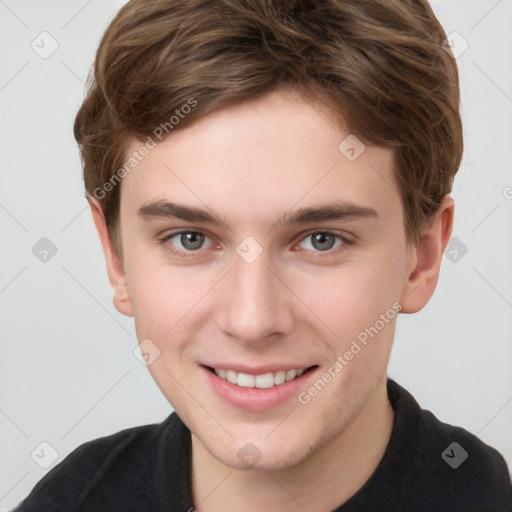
{"x": 322, "y": 482}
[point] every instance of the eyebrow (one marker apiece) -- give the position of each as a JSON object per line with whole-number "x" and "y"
{"x": 345, "y": 210}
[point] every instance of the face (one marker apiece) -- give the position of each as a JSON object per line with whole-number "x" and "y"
{"x": 252, "y": 245}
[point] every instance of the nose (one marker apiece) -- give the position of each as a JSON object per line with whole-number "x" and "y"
{"x": 255, "y": 305}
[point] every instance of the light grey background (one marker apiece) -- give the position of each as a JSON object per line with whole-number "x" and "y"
{"x": 67, "y": 370}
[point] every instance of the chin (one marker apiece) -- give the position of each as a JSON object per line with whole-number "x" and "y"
{"x": 274, "y": 462}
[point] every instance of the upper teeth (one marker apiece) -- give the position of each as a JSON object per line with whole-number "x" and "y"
{"x": 264, "y": 381}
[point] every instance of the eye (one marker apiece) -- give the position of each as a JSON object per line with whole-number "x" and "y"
{"x": 322, "y": 241}
{"x": 187, "y": 241}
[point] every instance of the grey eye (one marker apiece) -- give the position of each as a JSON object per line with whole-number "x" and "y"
{"x": 192, "y": 240}
{"x": 322, "y": 241}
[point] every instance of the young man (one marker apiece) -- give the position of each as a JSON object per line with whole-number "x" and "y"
{"x": 270, "y": 183}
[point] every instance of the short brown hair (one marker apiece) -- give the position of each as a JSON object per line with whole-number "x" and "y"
{"x": 379, "y": 63}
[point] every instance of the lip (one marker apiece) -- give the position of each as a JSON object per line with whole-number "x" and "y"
{"x": 255, "y": 399}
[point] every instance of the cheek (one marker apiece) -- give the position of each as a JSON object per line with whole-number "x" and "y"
{"x": 160, "y": 294}
{"x": 352, "y": 297}
{"x": 169, "y": 301}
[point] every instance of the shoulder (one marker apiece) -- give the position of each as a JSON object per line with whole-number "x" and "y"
{"x": 453, "y": 468}
{"x": 464, "y": 467}
{"x": 111, "y": 462}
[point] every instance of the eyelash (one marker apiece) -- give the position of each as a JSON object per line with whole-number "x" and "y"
{"x": 191, "y": 254}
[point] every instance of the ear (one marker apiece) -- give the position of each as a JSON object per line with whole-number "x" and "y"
{"x": 115, "y": 270}
{"x": 426, "y": 258}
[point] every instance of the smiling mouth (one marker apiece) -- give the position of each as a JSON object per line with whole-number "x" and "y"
{"x": 262, "y": 381}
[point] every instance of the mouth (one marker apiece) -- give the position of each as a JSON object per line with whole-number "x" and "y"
{"x": 264, "y": 387}
{"x": 266, "y": 380}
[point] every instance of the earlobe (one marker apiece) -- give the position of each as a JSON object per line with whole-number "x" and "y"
{"x": 426, "y": 258}
{"x": 115, "y": 270}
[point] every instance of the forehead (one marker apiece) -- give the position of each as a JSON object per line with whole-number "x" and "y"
{"x": 261, "y": 158}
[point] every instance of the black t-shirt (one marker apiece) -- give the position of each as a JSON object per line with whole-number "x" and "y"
{"x": 428, "y": 466}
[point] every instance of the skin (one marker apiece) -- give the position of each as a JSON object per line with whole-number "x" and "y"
{"x": 251, "y": 164}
